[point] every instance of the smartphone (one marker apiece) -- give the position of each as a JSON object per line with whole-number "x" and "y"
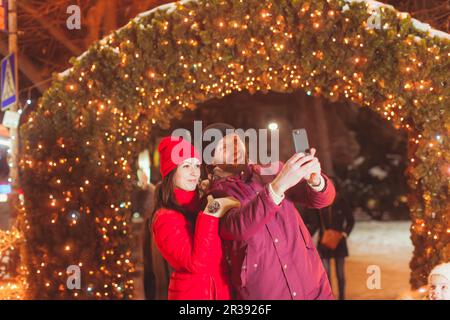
{"x": 301, "y": 141}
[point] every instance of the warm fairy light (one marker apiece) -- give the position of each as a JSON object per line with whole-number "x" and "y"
{"x": 9, "y": 239}
{"x": 265, "y": 14}
{"x": 231, "y": 76}
{"x": 12, "y": 288}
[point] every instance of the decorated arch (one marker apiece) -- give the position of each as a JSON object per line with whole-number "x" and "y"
{"x": 79, "y": 147}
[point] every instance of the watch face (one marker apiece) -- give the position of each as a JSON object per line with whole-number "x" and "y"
{"x": 214, "y": 206}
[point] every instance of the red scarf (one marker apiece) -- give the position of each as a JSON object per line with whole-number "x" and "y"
{"x": 188, "y": 200}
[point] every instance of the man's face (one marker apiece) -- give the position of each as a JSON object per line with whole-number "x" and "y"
{"x": 230, "y": 150}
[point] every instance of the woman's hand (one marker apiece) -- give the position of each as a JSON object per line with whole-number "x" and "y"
{"x": 224, "y": 204}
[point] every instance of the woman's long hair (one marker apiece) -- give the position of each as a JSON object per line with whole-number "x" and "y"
{"x": 156, "y": 269}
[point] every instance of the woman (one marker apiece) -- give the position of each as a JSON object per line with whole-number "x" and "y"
{"x": 337, "y": 217}
{"x": 187, "y": 237}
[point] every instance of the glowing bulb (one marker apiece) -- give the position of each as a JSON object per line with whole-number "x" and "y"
{"x": 273, "y": 126}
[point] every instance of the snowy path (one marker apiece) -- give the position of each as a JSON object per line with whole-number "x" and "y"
{"x": 385, "y": 244}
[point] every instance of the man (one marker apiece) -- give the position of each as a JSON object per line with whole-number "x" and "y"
{"x": 268, "y": 247}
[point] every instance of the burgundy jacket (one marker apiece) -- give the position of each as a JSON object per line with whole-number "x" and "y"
{"x": 268, "y": 247}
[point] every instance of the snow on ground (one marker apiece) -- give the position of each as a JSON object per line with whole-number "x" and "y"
{"x": 385, "y": 244}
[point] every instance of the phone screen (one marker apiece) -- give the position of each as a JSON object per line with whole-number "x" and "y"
{"x": 300, "y": 141}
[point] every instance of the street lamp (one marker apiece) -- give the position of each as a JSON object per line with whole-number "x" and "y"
{"x": 273, "y": 126}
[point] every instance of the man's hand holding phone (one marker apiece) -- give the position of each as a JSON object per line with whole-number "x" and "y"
{"x": 298, "y": 167}
{"x": 315, "y": 170}
{"x": 301, "y": 144}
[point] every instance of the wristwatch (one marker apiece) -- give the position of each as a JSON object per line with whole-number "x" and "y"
{"x": 214, "y": 206}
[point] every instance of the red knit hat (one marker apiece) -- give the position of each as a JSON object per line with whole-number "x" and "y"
{"x": 173, "y": 151}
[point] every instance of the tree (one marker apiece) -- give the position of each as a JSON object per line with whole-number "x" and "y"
{"x": 46, "y": 44}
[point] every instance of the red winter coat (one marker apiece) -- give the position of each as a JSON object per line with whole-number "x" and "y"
{"x": 194, "y": 254}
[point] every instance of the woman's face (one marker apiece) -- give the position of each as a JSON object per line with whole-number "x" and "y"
{"x": 439, "y": 288}
{"x": 187, "y": 175}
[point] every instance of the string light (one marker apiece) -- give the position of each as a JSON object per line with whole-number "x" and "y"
{"x": 13, "y": 288}
{"x": 235, "y": 72}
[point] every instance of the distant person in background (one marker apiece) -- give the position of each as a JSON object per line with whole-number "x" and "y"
{"x": 144, "y": 201}
{"x": 335, "y": 223}
{"x": 439, "y": 282}
{"x": 156, "y": 270}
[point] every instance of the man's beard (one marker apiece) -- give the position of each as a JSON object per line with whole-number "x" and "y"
{"x": 234, "y": 168}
